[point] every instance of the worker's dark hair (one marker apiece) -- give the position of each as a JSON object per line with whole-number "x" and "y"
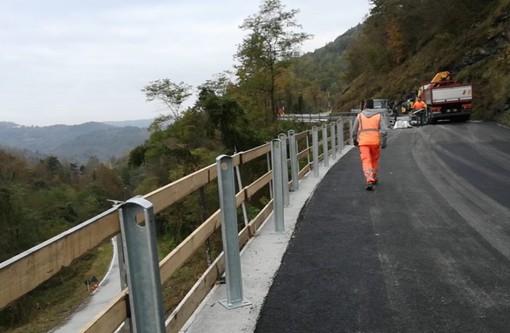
{"x": 369, "y": 103}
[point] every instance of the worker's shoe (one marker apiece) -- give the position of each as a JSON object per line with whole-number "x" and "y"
{"x": 369, "y": 186}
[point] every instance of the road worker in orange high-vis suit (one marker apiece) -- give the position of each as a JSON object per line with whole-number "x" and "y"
{"x": 369, "y": 133}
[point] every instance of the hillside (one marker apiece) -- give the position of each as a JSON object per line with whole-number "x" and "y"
{"x": 403, "y": 44}
{"x": 326, "y": 65}
{"x": 77, "y": 142}
{"x": 400, "y": 45}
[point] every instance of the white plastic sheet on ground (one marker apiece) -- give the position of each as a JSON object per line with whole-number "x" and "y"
{"x": 402, "y": 124}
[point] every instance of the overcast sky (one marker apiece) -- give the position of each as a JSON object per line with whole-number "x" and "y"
{"x": 69, "y": 62}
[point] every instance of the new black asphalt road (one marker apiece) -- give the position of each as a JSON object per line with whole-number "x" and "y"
{"x": 427, "y": 251}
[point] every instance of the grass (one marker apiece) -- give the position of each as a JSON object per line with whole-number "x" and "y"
{"x": 180, "y": 283}
{"x": 50, "y": 304}
{"x": 504, "y": 119}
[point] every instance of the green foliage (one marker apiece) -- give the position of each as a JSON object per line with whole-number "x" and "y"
{"x": 313, "y": 79}
{"x": 269, "y": 45}
{"x": 170, "y": 93}
{"x": 404, "y": 43}
{"x": 45, "y": 307}
{"x": 40, "y": 200}
{"x": 17, "y": 234}
{"x": 415, "y": 24}
{"x": 225, "y": 115}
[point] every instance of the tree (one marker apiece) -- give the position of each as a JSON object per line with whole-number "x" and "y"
{"x": 270, "y": 43}
{"x": 219, "y": 85}
{"x": 170, "y": 93}
{"x": 227, "y": 116}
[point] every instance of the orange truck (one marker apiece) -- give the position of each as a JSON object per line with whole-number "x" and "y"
{"x": 446, "y": 99}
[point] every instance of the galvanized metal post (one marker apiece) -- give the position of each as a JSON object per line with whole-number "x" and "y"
{"x": 351, "y": 122}
{"x": 240, "y": 186}
{"x": 308, "y": 159}
{"x": 119, "y": 245}
{"x": 268, "y": 162}
{"x": 315, "y": 149}
{"x": 340, "y": 133}
{"x": 333, "y": 140}
{"x": 122, "y": 272}
{"x": 277, "y": 185}
{"x": 294, "y": 165}
{"x": 229, "y": 232}
{"x": 285, "y": 170}
{"x": 143, "y": 276}
{"x": 325, "y": 146}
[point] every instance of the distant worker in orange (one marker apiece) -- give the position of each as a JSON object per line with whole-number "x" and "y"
{"x": 369, "y": 133}
{"x": 419, "y": 108}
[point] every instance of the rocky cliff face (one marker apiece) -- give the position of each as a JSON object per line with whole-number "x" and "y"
{"x": 487, "y": 63}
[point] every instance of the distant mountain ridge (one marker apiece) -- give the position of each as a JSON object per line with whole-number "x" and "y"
{"x": 76, "y": 142}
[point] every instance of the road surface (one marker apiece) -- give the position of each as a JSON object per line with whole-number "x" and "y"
{"x": 427, "y": 251}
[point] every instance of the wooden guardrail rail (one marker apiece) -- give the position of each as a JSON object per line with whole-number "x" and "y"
{"x": 22, "y": 273}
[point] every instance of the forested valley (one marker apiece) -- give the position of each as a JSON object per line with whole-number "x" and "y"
{"x": 400, "y": 45}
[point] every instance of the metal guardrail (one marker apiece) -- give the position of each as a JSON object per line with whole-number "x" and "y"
{"x": 318, "y": 117}
{"x": 24, "y": 272}
{"x": 307, "y": 118}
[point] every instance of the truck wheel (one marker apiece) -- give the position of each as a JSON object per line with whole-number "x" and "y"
{"x": 430, "y": 120}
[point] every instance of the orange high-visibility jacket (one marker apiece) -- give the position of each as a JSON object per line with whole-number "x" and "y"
{"x": 368, "y": 130}
{"x": 418, "y": 105}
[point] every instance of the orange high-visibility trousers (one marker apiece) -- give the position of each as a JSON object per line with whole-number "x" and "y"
{"x": 370, "y": 161}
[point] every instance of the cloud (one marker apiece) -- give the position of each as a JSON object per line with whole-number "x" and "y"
{"x": 75, "y": 61}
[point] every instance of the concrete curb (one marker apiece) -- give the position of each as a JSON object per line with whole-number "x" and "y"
{"x": 260, "y": 260}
